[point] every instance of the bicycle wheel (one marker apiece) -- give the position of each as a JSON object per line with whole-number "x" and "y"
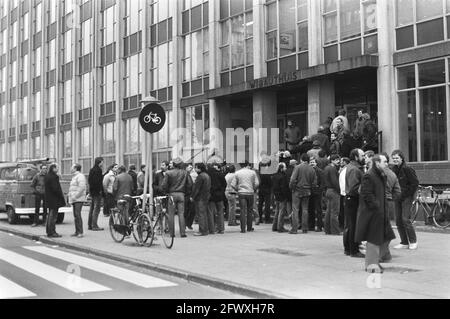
{"x": 165, "y": 231}
{"x": 414, "y": 211}
{"x": 441, "y": 216}
{"x": 116, "y": 227}
{"x": 144, "y": 230}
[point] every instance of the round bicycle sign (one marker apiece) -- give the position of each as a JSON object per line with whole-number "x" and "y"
{"x": 152, "y": 117}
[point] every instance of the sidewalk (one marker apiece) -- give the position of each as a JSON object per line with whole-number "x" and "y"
{"x": 264, "y": 264}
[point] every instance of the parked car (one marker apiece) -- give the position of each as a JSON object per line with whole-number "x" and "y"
{"x": 16, "y": 194}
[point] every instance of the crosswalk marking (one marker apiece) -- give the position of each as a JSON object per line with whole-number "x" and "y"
{"x": 133, "y": 277}
{"x": 9, "y": 289}
{"x": 49, "y": 273}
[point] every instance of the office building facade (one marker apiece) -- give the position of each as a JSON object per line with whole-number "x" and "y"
{"x": 73, "y": 73}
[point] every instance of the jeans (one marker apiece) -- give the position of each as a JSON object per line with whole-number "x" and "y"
{"x": 216, "y": 217}
{"x": 178, "y": 205}
{"x": 77, "y": 217}
{"x": 109, "y": 203}
{"x": 231, "y": 197}
{"x": 404, "y": 226}
{"x": 246, "y": 205}
{"x": 332, "y": 214}
{"x": 264, "y": 199}
{"x": 94, "y": 210}
{"x": 280, "y": 212}
{"x": 315, "y": 210}
{"x": 189, "y": 212}
{"x": 51, "y": 221}
{"x": 202, "y": 211}
{"x": 350, "y": 211}
{"x": 297, "y": 204}
{"x": 38, "y": 198}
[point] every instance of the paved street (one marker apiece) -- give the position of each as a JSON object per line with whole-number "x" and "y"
{"x": 30, "y": 269}
{"x": 261, "y": 263}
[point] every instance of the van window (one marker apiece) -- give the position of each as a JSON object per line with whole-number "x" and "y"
{"x": 8, "y": 173}
{"x": 27, "y": 174}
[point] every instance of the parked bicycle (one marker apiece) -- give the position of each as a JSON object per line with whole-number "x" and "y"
{"x": 139, "y": 223}
{"x": 161, "y": 226}
{"x": 437, "y": 212}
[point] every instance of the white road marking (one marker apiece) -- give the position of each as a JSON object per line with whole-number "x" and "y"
{"x": 124, "y": 274}
{"x": 9, "y": 289}
{"x": 59, "y": 277}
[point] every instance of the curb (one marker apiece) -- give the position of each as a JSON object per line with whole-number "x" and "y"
{"x": 230, "y": 286}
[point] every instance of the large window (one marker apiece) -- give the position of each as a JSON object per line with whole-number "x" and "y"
{"x": 286, "y": 35}
{"x": 197, "y": 122}
{"x": 132, "y": 142}
{"x": 420, "y": 22}
{"x": 423, "y": 92}
{"x": 85, "y": 149}
{"x": 134, "y": 16}
{"x": 67, "y": 144}
{"x": 109, "y": 143}
{"x": 349, "y": 28}
{"x": 236, "y": 41}
{"x": 133, "y": 75}
{"x": 109, "y": 83}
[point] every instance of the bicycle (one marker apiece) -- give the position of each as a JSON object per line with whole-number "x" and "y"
{"x": 139, "y": 223}
{"x": 439, "y": 212}
{"x": 152, "y": 117}
{"x": 162, "y": 227}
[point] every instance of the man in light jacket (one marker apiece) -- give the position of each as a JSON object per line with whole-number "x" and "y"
{"x": 77, "y": 197}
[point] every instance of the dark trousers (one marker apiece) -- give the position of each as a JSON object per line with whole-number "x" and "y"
{"x": 178, "y": 206}
{"x": 109, "y": 203}
{"x": 202, "y": 211}
{"x": 404, "y": 226}
{"x": 341, "y": 212}
{"x": 94, "y": 211}
{"x": 216, "y": 217}
{"x": 299, "y": 211}
{"x": 246, "y": 206}
{"x": 189, "y": 211}
{"x": 332, "y": 214}
{"x": 77, "y": 217}
{"x": 264, "y": 199}
{"x": 280, "y": 212}
{"x": 38, "y": 198}
{"x": 350, "y": 211}
{"x": 51, "y": 221}
{"x": 315, "y": 211}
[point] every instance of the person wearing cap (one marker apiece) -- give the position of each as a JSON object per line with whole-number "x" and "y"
{"x": 177, "y": 185}
{"x": 314, "y": 152}
{"x": 291, "y": 135}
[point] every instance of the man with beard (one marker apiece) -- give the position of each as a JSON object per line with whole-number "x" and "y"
{"x": 373, "y": 223}
{"x": 353, "y": 177}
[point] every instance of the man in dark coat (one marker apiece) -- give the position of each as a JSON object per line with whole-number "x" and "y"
{"x": 264, "y": 191}
{"x": 158, "y": 179}
{"x": 215, "y": 206}
{"x": 315, "y": 218}
{"x": 123, "y": 185}
{"x": 54, "y": 199}
{"x": 373, "y": 223}
{"x": 95, "y": 181}
{"x": 280, "y": 184}
{"x": 133, "y": 174}
{"x": 38, "y": 186}
{"x": 200, "y": 196}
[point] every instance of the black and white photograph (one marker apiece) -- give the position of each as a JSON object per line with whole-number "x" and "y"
{"x": 224, "y": 156}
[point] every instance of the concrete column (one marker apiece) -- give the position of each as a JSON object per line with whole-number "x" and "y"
{"x": 315, "y": 52}
{"x": 321, "y": 103}
{"x": 264, "y": 120}
{"x": 223, "y": 121}
{"x": 259, "y": 49}
{"x": 388, "y": 108}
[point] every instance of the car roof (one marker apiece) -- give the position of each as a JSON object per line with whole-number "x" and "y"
{"x": 15, "y": 164}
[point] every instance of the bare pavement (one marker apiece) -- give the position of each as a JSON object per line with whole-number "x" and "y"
{"x": 266, "y": 264}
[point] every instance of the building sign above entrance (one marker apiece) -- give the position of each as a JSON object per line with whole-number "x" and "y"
{"x": 152, "y": 117}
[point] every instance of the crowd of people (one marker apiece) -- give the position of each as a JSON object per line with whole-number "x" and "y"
{"x": 359, "y": 193}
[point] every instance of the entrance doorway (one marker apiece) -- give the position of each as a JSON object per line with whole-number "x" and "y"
{"x": 292, "y": 105}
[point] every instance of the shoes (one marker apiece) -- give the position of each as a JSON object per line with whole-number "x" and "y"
{"x": 189, "y": 227}
{"x": 97, "y": 229}
{"x": 183, "y": 236}
{"x": 413, "y": 246}
{"x": 347, "y": 253}
{"x": 357, "y": 255}
{"x": 304, "y": 231}
{"x": 251, "y": 229}
{"x": 233, "y": 224}
{"x": 200, "y": 234}
{"x": 34, "y": 225}
{"x": 74, "y": 235}
{"x": 55, "y": 235}
{"x": 77, "y": 235}
{"x": 292, "y": 232}
{"x": 283, "y": 230}
{"x": 220, "y": 232}
{"x": 401, "y": 246}
{"x": 89, "y": 228}
{"x": 318, "y": 230}
{"x": 242, "y": 231}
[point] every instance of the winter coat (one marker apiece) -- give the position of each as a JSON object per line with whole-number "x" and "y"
{"x": 77, "y": 189}
{"x": 353, "y": 178}
{"x": 38, "y": 184}
{"x": 123, "y": 185}
{"x": 407, "y": 179}
{"x": 292, "y": 135}
{"x": 157, "y": 183}
{"x": 319, "y": 187}
{"x": 372, "y": 223}
{"x": 108, "y": 182}
{"x": 331, "y": 175}
{"x": 177, "y": 181}
{"x": 134, "y": 177}
{"x": 202, "y": 188}
{"x": 245, "y": 182}
{"x": 303, "y": 179}
{"x": 95, "y": 180}
{"x": 265, "y": 183}
{"x": 54, "y": 197}
{"x": 218, "y": 185}
{"x": 280, "y": 185}
{"x": 323, "y": 140}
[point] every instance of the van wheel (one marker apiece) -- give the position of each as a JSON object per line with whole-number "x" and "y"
{"x": 60, "y": 218}
{"x": 12, "y": 216}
